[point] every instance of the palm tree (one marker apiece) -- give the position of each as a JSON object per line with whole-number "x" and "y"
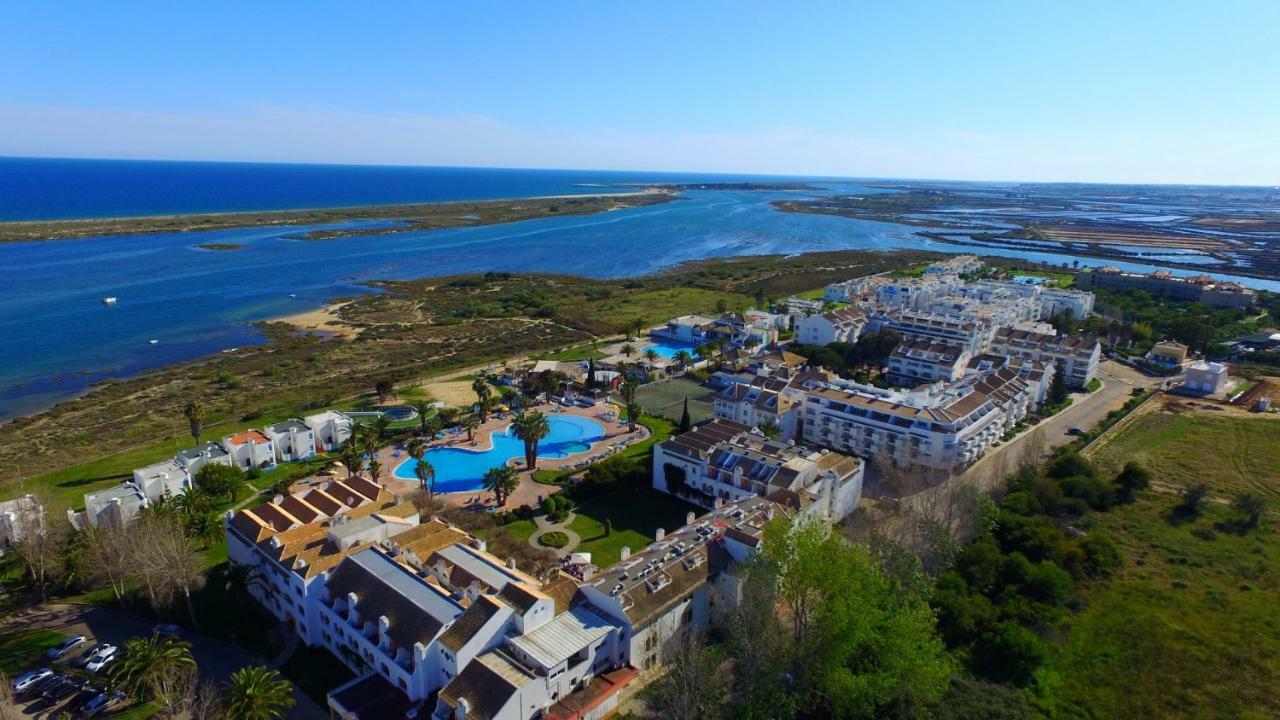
{"x": 501, "y": 481}
{"x": 204, "y": 526}
{"x": 683, "y": 358}
{"x": 381, "y": 425}
{"x": 651, "y": 355}
{"x": 484, "y": 393}
{"x": 628, "y": 390}
{"x": 423, "y": 408}
{"x": 531, "y": 428}
{"x": 470, "y": 422}
{"x": 352, "y": 456}
{"x": 423, "y": 469}
{"x": 375, "y": 470}
{"x": 195, "y": 420}
{"x": 149, "y": 666}
{"x": 628, "y": 349}
{"x": 241, "y": 578}
{"x": 257, "y": 693}
{"x": 704, "y": 352}
{"x": 637, "y": 326}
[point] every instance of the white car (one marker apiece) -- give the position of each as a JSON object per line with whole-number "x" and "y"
{"x": 101, "y": 659}
{"x": 29, "y": 678}
{"x": 66, "y": 646}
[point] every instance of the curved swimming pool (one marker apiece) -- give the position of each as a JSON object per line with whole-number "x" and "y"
{"x": 462, "y": 469}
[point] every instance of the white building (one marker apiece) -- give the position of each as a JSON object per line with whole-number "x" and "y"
{"x": 1205, "y": 378}
{"x": 331, "y": 429}
{"x": 163, "y": 479}
{"x": 973, "y": 334}
{"x": 118, "y": 505}
{"x": 919, "y": 362}
{"x": 18, "y": 517}
{"x": 1054, "y": 301}
{"x": 194, "y": 458}
{"x": 1075, "y": 356}
{"x": 844, "y": 325}
{"x": 721, "y": 461}
{"x": 692, "y": 329}
{"x": 250, "y": 449}
{"x": 293, "y": 440}
{"x": 940, "y": 426}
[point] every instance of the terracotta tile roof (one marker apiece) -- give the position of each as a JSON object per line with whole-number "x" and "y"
{"x": 427, "y": 538}
{"x": 250, "y": 527}
{"x": 579, "y": 704}
{"x": 520, "y": 596}
{"x": 249, "y": 436}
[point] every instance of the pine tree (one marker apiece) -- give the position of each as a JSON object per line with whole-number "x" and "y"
{"x": 686, "y": 423}
{"x": 1057, "y": 389}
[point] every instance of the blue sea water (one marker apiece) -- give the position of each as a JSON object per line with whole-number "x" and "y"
{"x": 59, "y": 337}
{"x": 460, "y": 469}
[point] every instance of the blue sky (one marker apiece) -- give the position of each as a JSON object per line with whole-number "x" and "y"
{"x": 1089, "y": 91}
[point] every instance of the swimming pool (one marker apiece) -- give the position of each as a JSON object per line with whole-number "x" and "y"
{"x": 463, "y": 469}
{"x": 669, "y": 348}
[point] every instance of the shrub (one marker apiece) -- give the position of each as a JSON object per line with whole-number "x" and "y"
{"x": 1069, "y": 464}
{"x": 253, "y": 473}
{"x": 1010, "y": 654}
{"x": 553, "y": 539}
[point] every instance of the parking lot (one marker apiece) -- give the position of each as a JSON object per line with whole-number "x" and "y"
{"x": 216, "y": 660}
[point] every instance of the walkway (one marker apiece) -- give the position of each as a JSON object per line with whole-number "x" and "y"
{"x": 545, "y": 526}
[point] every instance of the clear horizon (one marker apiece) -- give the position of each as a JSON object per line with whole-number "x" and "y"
{"x": 1147, "y": 93}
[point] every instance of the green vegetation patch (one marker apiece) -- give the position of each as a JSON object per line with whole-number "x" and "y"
{"x": 21, "y": 648}
{"x": 553, "y": 539}
{"x": 631, "y": 518}
{"x": 1187, "y": 626}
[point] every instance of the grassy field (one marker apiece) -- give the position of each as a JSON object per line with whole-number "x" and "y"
{"x": 20, "y": 649}
{"x": 1189, "y": 627}
{"x": 635, "y": 517}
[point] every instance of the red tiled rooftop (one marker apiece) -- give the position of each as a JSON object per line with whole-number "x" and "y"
{"x": 249, "y": 436}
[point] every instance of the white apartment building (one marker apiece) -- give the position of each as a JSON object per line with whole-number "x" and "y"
{"x": 944, "y": 427}
{"x": 194, "y": 458}
{"x": 163, "y": 479}
{"x": 844, "y": 325}
{"x": 435, "y": 626}
{"x": 18, "y": 517}
{"x": 721, "y": 461}
{"x": 250, "y": 449}
{"x": 331, "y": 429}
{"x": 293, "y": 440}
{"x": 1076, "y": 356}
{"x": 972, "y": 334}
{"x": 955, "y": 265}
{"x": 920, "y": 362}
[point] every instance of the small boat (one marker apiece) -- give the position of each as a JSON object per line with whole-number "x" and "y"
{"x": 153, "y": 341}
{"x": 293, "y": 295}
{"x": 109, "y": 300}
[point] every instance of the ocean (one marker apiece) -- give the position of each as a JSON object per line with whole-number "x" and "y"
{"x": 60, "y": 337}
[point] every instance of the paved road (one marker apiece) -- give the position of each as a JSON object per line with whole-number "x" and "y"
{"x": 216, "y": 659}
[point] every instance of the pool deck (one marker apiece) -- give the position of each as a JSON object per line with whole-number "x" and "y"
{"x": 529, "y": 492}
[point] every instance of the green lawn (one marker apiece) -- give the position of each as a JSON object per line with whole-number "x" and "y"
{"x": 1188, "y": 627}
{"x": 20, "y": 649}
{"x": 521, "y": 529}
{"x": 635, "y": 517}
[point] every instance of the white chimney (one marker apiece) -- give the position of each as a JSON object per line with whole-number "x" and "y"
{"x": 659, "y": 534}
{"x": 511, "y": 563}
{"x": 626, "y": 553}
{"x": 688, "y": 518}
{"x": 351, "y": 606}
{"x": 463, "y": 710}
{"x": 384, "y": 624}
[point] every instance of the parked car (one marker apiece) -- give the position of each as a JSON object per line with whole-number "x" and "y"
{"x": 66, "y": 646}
{"x": 60, "y": 691}
{"x": 38, "y": 687}
{"x": 1075, "y": 431}
{"x": 169, "y": 629}
{"x": 29, "y": 678}
{"x": 101, "y": 659}
{"x": 83, "y": 658}
{"x": 88, "y": 693}
{"x": 102, "y": 702}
